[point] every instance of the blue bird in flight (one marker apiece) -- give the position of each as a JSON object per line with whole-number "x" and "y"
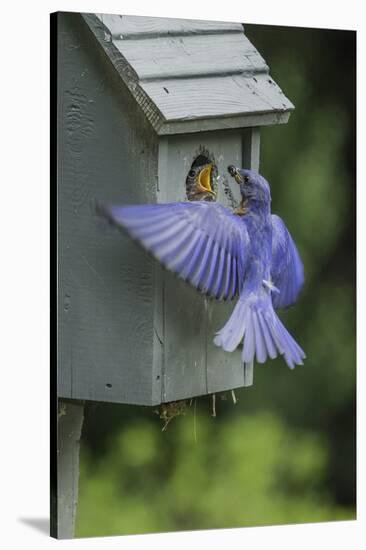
{"x": 248, "y": 253}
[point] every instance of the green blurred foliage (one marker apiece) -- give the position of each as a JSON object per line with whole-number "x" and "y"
{"x": 286, "y": 452}
{"x": 252, "y": 470}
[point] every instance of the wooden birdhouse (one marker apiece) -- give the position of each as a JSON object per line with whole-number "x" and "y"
{"x": 144, "y": 104}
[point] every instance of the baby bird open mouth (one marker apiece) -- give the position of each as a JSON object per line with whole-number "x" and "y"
{"x": 204, "y": 180}
{"x": 199, "y": 183}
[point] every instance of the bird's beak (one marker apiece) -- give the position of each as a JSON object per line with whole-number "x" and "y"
{"x": 234, "y": 173}
{"x": 203, "y": 184}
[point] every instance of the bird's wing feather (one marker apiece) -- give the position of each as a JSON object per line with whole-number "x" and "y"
{"x": 203, "y": 243}
{"x": 287, "y": 270}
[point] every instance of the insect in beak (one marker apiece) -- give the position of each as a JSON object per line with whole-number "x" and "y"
{"x": 234, "y": 173}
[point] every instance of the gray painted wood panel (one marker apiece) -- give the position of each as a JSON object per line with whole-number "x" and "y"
{"x": 208, "y": 124}
{"x": 197, "y": 55}
{"x": 200, "y": 97}
{"x": 131, "y": 25}
{"x": 224, "y": 370}
{"x": 107, "y": 152}
{"x": 185, "y": 338}
{"x": 251, "y": 148}
{"x": 129, "y": 332}
{"x": 184, "y": 371}
{"x": 171, "y": 75}
{"x": 192, "y": 364}
{"x": 69, "y": 425}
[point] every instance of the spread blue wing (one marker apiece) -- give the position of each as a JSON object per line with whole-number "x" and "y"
{"x": 203, "y": 243}
{"x": 287, "y": 271}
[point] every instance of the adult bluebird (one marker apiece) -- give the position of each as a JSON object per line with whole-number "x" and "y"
{"x": 248, "y": 253}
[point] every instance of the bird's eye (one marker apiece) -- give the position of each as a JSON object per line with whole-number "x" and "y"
{"x": 191, "y": 173}
{"x": 246, "y": 179}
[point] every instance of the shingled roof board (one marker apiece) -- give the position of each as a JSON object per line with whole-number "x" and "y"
{"x": 191, "y": 75}
{"x": 132, "y": 25}
{"x": 196, "y": 55}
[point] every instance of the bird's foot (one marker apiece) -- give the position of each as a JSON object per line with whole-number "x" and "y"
{"x": 242, "y": 209}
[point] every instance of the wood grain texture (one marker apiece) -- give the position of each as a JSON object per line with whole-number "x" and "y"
{"x": 200, "y": 97}
{"x": 181, "y": 57}
{"x": 185, "y": 338}
{"x": 224, "y": 370}
{"x": 70, "y": 421}
{"x": 131, "y": 26}
{"x": 108, "y": 153}
{"x": 191, "y": 71}
{"x": 192, "y": 364}
{"x": 224, "y": 123}
{"x": 251, "y": 148}
{"x": 129, "y": 332}
{"x": 184, "y": 371}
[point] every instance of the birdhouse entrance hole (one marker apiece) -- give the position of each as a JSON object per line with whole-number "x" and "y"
{"x": 201, "y": 181}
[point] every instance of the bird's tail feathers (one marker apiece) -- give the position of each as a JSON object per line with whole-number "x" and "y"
{"x": 255, "y": 322}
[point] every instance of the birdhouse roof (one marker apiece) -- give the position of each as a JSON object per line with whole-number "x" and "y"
{"x": 190, "y": 75}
